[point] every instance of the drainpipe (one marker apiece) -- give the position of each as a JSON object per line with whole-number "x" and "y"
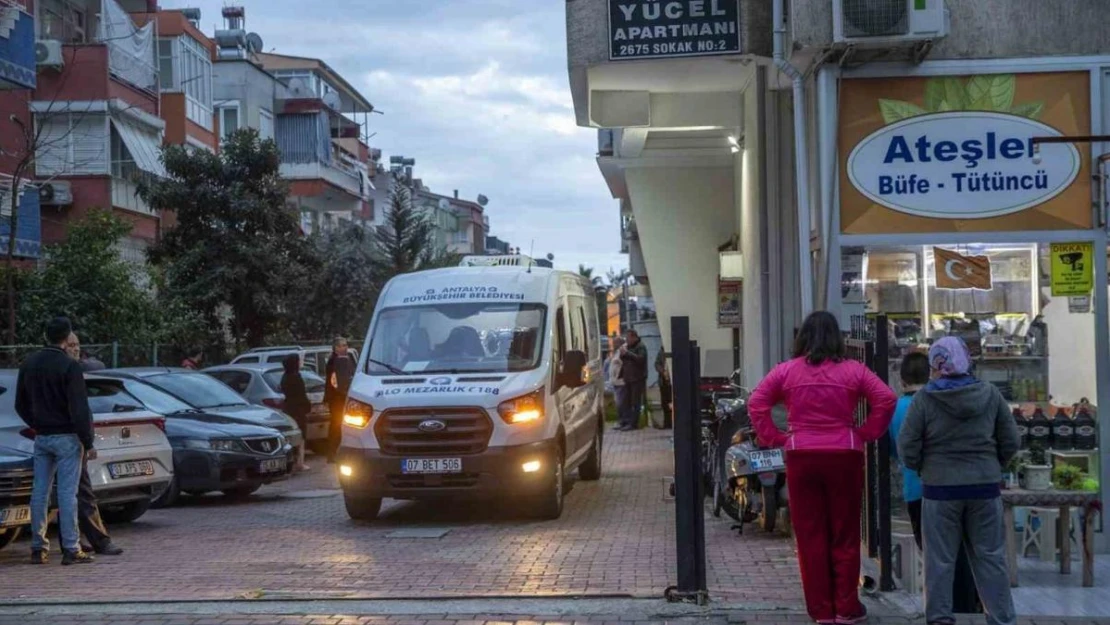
{"x": 801, "y": 156}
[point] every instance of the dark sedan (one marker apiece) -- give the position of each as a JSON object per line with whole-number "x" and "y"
{"x": 214, "y": 453}
{"x": 16, "y": 468}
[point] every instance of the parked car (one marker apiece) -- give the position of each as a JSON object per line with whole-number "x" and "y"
{"x": 315, "y": 358}
{"x": 16, "y": 475}
{"x": 203, "y": 392}
{"x": 261, "y": 384}
{"x": 134, "y": 462}
{"x": 214, "y": 453}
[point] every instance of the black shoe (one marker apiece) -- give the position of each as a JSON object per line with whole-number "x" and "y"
{"x": 39, "y": 557}
{"x": 76, "y": 557}
{"x": 109, "y": 549}
{"x": 86, "y": 548}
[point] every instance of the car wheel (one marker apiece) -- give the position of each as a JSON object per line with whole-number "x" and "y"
{"x": 549, "y": 504}
{"x": 360, "y": 507}
{"x": 168, "y": 497}
{"x": 125, "y": 513}
{"x": 590, "y": 470}
{"x": 241, "y": 492}
{"x": 9, "y": 536}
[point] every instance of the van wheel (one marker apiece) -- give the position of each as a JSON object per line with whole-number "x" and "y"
{"x": 549, "y": 504}
{"x": 361, "y": 508}
{"x": 125, "y": 513}
{"x": 169, "y": 496}
{"x": 590, "y": 470}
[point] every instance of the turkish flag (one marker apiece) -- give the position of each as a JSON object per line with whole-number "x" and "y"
{"x": 956, "y": 271}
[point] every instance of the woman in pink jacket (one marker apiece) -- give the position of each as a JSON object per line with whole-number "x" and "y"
{"x": 824, "y": 459}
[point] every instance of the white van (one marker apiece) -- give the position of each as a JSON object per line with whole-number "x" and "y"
{"x": 476, "y": 381}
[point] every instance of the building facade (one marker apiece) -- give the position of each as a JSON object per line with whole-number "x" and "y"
{"x": 939, "y": 162}
{"x": 19, "y": 199}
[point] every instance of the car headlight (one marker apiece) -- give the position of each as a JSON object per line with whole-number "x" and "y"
{"x": 357, "y": 414}
{"x": 190, "y": 443}
{"x": 523, "y": 409}
{"x": 224, "y": 445}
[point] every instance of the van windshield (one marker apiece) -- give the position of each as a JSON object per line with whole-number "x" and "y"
{"x": 457, "y": 338}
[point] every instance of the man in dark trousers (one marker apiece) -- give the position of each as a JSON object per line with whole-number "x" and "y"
{"x": 51, "y": 399}
{"x": 340, "y": 371}
{"x": 88, "y": 512}
{"x": 634, "y": 373}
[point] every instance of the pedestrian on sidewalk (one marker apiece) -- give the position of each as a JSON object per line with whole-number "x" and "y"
{"x": 297, "y": 404}
{"x": 915, "y": 374}
{"x": 89, "y": 522}
{"x": 615, "y": 364}
{"x": 958, "y": 435}
{"x": 52, "y": 400}
{"x": 824, "y": 458}
{"x": 666, "y": 393}
{"x": 634, "y": 373}
{"x": 339, "y": 373}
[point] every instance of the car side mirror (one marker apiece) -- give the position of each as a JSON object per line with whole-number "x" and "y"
{"x": 573, "y": 369}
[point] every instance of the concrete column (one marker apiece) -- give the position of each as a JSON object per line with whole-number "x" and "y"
{"x": 683, "y": 214}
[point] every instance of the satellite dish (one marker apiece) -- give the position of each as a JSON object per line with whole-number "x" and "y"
{"x": 254, "y": 42}
{"x": 444, "y": 204}
{"x": 298, "y": 88}
{"x": 482, "y": 200}
{"x": 550, "y": 256}
{"x": 333, "y": 101}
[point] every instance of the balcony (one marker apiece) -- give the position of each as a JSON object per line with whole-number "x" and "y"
{"x": 325, "y": 177}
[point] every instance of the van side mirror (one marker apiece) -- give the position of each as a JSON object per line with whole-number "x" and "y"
{"x": 572, "y": 369}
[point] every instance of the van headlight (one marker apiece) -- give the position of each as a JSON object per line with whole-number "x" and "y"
{"x": 357, "y": 414}
{"x": 523, "y": 409}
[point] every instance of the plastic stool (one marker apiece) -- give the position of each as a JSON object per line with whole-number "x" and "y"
{"x": 1040, "y": 531}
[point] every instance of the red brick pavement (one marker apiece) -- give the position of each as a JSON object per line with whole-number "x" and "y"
{"x": 616, "y": 537}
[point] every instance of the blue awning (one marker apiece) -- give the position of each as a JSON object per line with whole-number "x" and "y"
{"x": 28, "y": 239}
{"x": 17, "y": 50}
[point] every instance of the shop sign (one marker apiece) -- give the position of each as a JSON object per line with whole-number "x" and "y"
{"x": 958, "y": 153}
{"x": 646, "y": 29}
{"x": 1079, "y": 304}
{"x": 1071, "y": 268}
{"x": 729, "y": 311}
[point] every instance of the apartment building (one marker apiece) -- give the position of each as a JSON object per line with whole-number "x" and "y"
{"x": 461, "y": 226}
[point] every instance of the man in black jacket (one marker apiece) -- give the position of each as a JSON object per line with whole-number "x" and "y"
{"x": 339, "y": 372}
{"x": 634, "y": 373}
{"x": 51, "y": 399}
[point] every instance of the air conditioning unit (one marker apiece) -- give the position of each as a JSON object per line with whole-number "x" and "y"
{"x": 888, "y": 23}
{"x": 56, "y": 193}
{"x": 48, "y": 52}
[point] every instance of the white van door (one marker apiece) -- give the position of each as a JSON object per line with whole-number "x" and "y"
{"x": 576, "y": 404}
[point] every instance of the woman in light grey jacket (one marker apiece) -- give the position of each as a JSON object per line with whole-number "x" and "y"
{"x": 958, "y": 434}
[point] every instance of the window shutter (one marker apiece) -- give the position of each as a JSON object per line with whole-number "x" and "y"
{"x": 52, "y": 149}
{"x": 90, "y": 144}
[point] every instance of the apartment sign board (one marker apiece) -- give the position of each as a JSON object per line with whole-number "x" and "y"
{"x": 650, "y": 29}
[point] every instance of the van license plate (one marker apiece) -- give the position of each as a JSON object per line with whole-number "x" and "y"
{"x": 274, "y": 465}
{"x": 130, "y": 469}
{"x": 431, "y": 465}
{"x": 18, "y": 515}
{"x": 767, "y": 460}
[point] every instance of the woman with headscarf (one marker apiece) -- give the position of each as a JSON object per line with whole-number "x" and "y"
{"x": 958, "y": 434}
{"x": 297, "y": 404}
{"x": 824, "y": 455}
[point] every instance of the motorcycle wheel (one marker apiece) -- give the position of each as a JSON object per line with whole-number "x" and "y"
{"x": 717, "y": 497}
{"x": 770, "y": 512}
{"x": 730, "y": 505}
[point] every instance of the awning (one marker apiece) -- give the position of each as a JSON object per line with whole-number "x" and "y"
{"x": 144, "y": 144}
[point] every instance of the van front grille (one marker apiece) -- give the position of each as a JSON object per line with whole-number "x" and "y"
{"x": 412, "y": 432}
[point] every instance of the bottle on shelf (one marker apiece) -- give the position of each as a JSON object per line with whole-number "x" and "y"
{"x": 1022, "y": 427}
{"x": 1063, "y": 431}
{"x": 1040, "y": 429}
{"x": 1086, "y": 428}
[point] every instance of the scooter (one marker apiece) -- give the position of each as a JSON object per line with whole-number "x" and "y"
{"x": 756, "y": 480}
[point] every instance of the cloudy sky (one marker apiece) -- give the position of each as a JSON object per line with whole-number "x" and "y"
{"x": 476, "y": 91}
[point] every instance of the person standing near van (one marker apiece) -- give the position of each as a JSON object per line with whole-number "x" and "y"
{"x": 666, "y": 393}
{"x": 615, "y": 364}
{"x": 958, "y": 434}
{"x": 51, "y": 399}
{"x": 634, "y": 373}
{"x": 296, "y": 404}
{"x": 824, "y": 452}
{"x": 339, "y": 373}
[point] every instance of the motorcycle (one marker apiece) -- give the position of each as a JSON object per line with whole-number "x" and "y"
{"x": 711, "y": 392}
{"x": 756, "y": 480}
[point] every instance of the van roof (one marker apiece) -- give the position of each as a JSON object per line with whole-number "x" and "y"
{"x": 458, "y": 284}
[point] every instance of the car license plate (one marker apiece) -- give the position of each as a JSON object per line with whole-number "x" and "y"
{"x": 19, "y": 515}
{"x": 431, "y": 465}
{"x": 131, "y": 469}
{"x": 274, "y": 465}
{"x": 767, "y": 460}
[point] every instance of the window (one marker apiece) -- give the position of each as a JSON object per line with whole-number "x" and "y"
{"x": 62, "y": 21}
{"x": 123, "y": 164}
{"x": 560, "y": 335}
{"x": 584, "y": 328}
{"x": 229, "y": 118}
{"x": 185, "y": 65}
{"x": 265, "y": 124}
{"x": 167, "y": 76}
{"x": 237, "y": 380}
{"x": 72, "y": 144}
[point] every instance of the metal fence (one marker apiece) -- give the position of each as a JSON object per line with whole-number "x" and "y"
{"x": 871, "y": 347}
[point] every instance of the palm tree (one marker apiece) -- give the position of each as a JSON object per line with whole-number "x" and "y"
{"x": 618, "y": 279}
{"x": 588, "y": 273}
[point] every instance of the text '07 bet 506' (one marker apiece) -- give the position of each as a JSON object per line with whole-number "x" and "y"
{"x": 476, "y": 382}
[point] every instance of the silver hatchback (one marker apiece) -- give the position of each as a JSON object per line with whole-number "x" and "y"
{"x": 261, "y": 384}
